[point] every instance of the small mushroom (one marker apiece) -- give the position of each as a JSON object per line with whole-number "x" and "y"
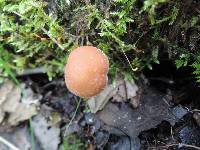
{"x": 86, "y": 71}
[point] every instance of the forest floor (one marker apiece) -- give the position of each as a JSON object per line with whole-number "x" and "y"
{"x": 159, "y": 111}
{"x": 159, "y": 40}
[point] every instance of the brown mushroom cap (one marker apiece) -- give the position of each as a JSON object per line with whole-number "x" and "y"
{"x": 86, "y": 71}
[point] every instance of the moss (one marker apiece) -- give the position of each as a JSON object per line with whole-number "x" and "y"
{"x": 133, "y": 33}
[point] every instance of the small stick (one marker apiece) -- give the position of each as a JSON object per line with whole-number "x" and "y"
{"x": 38, "y": 70}
{"x": 195, "y": 110}
{"x": 185, "y": 145}
{"x": 10, "y": 145}
{"x": 53, "y": 39}
{"x": 180, "y": 145}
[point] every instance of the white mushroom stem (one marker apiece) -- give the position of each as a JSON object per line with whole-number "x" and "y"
{"x": 10, "y": 145}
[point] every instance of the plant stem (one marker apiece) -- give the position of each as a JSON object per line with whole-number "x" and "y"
{"x": 74, "y": 115}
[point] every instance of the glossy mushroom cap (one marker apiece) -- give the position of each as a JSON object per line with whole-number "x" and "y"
{"x": 86, "y": 71}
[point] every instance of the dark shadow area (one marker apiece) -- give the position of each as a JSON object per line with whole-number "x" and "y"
{"x": 180, "y": 83}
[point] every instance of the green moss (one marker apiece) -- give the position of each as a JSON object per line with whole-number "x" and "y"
{"x": 72, "y": 142}
{"x": 132, "y": 33}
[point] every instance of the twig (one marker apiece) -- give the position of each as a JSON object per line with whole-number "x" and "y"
{"x": 52, "y": 38}
{"x": 74, "y": 115}
{"x": 195, "y": 110}
{"x": 10, "y": 145}
{"x": 38, "y": 70}
{"x": 172, "y": 133}
{"x": 185, "y": 145}
{"x": 140, "y": 37}
{"x": 180, "y": 145}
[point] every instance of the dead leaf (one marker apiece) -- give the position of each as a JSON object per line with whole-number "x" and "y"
{"x": 121, "y": 94}
{"x": 20, "y": 137}
{"x": 151, "y": 112}
{"x": 46, "y": 131}
{"x": 131, "y": 89}
{"x": 196, "y": 116}
{"x": 123, "y": 91}
{"x": 17, "y": 102}
{"x": 23, "y": 112}
{"x": 135, "y": 100}
{"x": 122, "y": 143}
{"x": 2, "y": 113}
{"x": 5, "y": 89}
{"x": 29, "y": 97}
{"x": 12, "y": 100}
{"x": 98, "y": 102}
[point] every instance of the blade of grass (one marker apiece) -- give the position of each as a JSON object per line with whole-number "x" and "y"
{"x": 32, "y": 134}
{"x": 8, "y": 71}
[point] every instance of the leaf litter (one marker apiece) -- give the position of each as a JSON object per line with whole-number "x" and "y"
{"x": 20, "y": 103}
{"x": 113, "y": 113}
{"x": 153, "y": 109}
{"x": 46, "y": 127}
{"x": 121, "y": 92}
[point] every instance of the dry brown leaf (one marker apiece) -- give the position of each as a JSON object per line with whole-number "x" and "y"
{"x": 23, "y": 112}
{"x": 17, "y": 102}
{"x": 123, "y": 91}
{"x": 10, "y": 105}
{"x": 98, "y": 102}
{"x": 135, "y": 100}
{"x": 5, "y": 89}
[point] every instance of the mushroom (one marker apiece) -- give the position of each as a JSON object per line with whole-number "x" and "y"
{"x": 86, "y": 71}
